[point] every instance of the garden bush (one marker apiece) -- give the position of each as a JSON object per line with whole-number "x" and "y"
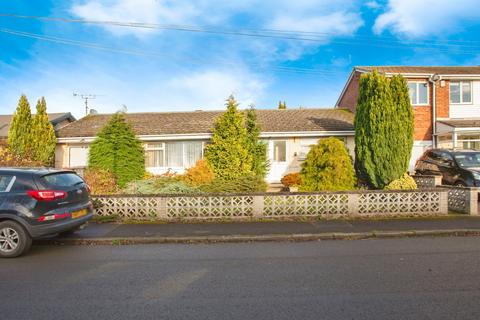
{"x": 328, "y": 167}
{"x": 100, "y": 181}
{"x": 406, "y": 182}
{"x": 9, "y": 159}
{"x": 291, "y": 179}
{"x": 116, "y": 148}
{"x": 245, "y": 183}
{"x": 199, "y": 174}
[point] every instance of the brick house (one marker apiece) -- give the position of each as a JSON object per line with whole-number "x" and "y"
{"x": 445, "y": 100}
{"x": 176, "y": 140}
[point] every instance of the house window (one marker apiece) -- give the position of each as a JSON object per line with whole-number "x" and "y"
{"x": 280, "y": 151}
{"x": 418, "y": 93}
{"x": 461, "y": 92}
{"x": 154, "y": 154}
{"x": 175, "y": 154}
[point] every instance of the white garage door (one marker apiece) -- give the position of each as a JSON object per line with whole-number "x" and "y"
{"x": 78, "y": 157}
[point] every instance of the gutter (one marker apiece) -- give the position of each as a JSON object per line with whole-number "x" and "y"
{"x": 433, "y": 79}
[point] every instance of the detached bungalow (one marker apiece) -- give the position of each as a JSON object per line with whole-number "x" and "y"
{"x": 176, "y": 140}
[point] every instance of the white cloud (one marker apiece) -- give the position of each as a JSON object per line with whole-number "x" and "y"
{"x": 337, "y": 23}
{"x": 374, "y": 5}
{"x": 144, "y": 11}
{"x": 209, "y": 89}
{"x": 414, "y": 18}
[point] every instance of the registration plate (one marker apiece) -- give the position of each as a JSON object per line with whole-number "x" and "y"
{"x": 78, "y": 214}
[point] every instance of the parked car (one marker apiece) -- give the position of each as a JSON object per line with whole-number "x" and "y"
{"x": 457, "y": 167}
{"x": 39, "y": 202}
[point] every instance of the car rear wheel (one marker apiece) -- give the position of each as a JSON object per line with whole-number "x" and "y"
{"x": 14, "y": 240}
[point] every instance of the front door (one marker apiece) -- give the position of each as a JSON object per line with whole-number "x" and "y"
{"x": 278, "y": 156}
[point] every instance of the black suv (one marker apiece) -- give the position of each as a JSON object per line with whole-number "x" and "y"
{"x": 39, "y": 202}
{"x": 457, "y": 167}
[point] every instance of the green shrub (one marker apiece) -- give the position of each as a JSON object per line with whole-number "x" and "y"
{"x": 178, "y": 187}
{"x": 100, "y": 181}
{"x": 246, "y": 183}
{"x": 199, "y": 174}
{"x": 291, "y": 179}
{"x": 159, "y": 185}
{"x": 406, "y": 182}
{"x": 117, "y": 149}
{"x": 328, "y": 167}
{"x": 228, "y": 153}
{"x": 383, "y": 129}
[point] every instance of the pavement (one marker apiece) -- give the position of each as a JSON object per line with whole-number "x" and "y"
{"x": 422, "y": 278}
{"x": 116, "y": 233}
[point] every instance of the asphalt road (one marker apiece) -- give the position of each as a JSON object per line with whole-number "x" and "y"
{"x": 418, "y": 278}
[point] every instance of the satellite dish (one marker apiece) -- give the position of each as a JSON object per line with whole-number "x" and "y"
{"x": 123, "y": 109}
{"x": 93, "y": 111}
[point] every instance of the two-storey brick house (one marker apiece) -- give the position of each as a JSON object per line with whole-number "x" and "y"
{"x": 445, "y": 100}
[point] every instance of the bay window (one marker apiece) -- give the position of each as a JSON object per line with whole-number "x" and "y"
{"x": 173, "y": 154}
{"x": 461, "y": 92}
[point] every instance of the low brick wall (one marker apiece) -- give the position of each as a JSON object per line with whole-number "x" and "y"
{"x": 425, "y": 202}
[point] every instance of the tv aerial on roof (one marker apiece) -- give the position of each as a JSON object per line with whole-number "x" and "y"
{"x": 86, "y": 97}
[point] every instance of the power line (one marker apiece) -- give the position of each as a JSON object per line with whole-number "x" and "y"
{"x": 91, "y": 45}
{"x": 308, "y": 36}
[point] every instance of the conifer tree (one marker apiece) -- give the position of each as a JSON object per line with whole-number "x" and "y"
{"x": 383, "y": 130}
{"x": 256, "y": 148}
{"x": 282, "y": 105}
{"x": 43, "y": 139}
{"x": 328, "y": 166}
{"x": 117, "y": 149}
{"x": 19, "y": 132}
{"x": 227, "y": 153}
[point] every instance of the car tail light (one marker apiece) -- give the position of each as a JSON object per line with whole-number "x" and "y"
{"x": 47, "y": 195}
{"x": 55, "y": 216}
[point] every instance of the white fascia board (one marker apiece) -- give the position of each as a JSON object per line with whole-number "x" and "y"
{"x": 206, "y": 136}
{"x": 169, "y": 137}
{"x": 75, "y": 140}
{"x": 306, "y": 134}
{"x": 467, "y": 129}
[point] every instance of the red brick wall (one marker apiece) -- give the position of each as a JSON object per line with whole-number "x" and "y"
{"x": 443, "y": 99}
{"x": 422, "y": 114}
{"x": 349, "y": 99}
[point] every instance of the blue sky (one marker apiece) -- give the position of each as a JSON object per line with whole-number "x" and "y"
{"x": 178, "y": 70}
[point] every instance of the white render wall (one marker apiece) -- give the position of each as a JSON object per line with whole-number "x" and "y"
{"x": 294, "y": 155}
{"x": 468, "y": 110}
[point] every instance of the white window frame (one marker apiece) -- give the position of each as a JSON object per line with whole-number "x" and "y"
{"x": 418, "y": 83}
{"x": 460, "y": 84}
{"x": 164, "y": 149}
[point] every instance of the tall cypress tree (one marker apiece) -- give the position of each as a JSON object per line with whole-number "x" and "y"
{"x": 227, "y": 153}
{"x": 404, "y": 123}
{"x": 381, "y": 134}
{"x": 19, "y": 133}
{"x": 43, "y": 135}
{"x": 117, "y": 149}
{"x": 257, "y": 148}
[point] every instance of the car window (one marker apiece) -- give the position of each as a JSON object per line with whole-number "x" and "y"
{"x": 468, "y": 160}
{"x": 63, "y": 179}
{"x": 445, "y": 158}
{"x": 6, "y": 183}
